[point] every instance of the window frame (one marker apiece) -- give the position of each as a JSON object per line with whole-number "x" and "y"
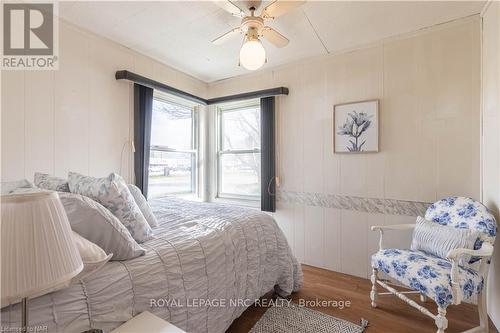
{"x": 232, "y": 107}
{"x": 194, "y": 151}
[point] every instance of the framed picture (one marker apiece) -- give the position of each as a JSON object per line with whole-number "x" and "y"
{"x": 356, "y": 127}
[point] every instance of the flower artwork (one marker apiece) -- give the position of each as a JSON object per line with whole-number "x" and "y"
{"x": 356, "y": 127}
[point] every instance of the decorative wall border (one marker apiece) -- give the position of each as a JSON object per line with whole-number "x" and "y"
{"x": 368, "y": 205}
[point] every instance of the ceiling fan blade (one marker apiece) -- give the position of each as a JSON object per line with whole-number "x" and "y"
{"x": 278, "y": 8}
{"x": 274, "y": 37}
{"x": 227, "y": 36}
{"x": 230, "y": 7}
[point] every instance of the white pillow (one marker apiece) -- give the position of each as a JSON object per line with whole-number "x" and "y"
{"x": 112, "y": 192}
{"x": 141, "y": 201}
{"x": 438, "y": 240}
{"x": 93, "y": 256}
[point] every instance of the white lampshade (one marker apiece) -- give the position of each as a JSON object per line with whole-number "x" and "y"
{"x": 38, "y": 251}
{"x": 252, "y": 54}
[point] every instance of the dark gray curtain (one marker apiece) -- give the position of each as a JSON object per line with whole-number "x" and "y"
{"x": 143, "y": 109}
{"x": 267, "y": 159}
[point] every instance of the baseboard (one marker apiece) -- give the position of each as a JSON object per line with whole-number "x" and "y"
{"x": 495, "y": 324}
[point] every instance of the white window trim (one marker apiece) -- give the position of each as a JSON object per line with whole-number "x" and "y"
{"x": 243, "y": 200}
{"x": 195, "y": 183}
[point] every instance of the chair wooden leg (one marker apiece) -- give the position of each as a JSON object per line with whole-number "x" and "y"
{"x": 483, "y": 311}
{"x": 373, "y": 293}
{"x": 441, "y": 321}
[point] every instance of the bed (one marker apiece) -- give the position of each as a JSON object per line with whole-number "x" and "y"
{"x": 206, "y": 264}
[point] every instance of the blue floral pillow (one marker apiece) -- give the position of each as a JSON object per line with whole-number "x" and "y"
{"x": 112, "y": 192}
{"x": 51, "y": 183}
{"x": 12, "y": 186}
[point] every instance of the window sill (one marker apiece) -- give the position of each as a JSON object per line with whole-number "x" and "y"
{"x": 238, "y": 202}
{"x": 187, "y": 196}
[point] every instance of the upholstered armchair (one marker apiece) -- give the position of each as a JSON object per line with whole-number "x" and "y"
{"x": 444, "y": 280}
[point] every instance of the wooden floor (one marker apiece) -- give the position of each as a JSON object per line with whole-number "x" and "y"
{"x": 392, "y": 314}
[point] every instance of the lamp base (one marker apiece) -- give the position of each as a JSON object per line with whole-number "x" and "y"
{"x": 24, "y": 314}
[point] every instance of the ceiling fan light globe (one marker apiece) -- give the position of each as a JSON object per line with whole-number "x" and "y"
{"x": 252, "y": 55}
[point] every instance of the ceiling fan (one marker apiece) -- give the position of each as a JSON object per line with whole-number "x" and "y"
{"x": 252, "y": 53}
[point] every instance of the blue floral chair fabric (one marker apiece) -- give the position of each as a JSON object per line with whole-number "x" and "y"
{"x": 427, "y": 274}
{"x": 442, "y": 279}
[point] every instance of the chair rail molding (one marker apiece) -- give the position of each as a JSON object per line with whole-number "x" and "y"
{"x": 367, "y": 205}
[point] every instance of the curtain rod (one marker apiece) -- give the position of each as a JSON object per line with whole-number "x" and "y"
{"x": 147, "y": 82}
{"x": 142, "y": 80}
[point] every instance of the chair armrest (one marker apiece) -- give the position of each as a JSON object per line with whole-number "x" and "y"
{"x": 486, "y": 250}
{"x": 382, "y": 228}
{"x": 393, "y": 227}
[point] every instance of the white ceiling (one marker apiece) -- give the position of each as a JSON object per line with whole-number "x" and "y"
{"x": 178, "y": 33}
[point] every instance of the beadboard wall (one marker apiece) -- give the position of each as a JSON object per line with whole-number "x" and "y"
{"x": 428, "y": 84}
{"x": 79, "y": 117}
{"x": 491, "y": 139}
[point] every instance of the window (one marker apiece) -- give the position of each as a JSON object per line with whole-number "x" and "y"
{"x": 173, "y": 155}
{"x": 238, "y": 156}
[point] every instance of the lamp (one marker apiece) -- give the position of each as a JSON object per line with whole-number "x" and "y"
{"x": 252, "y": 54}
{"x": 38, "y": 251}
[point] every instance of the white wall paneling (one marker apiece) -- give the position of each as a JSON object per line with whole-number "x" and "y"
{"x": 72, "y": 103}
{"x": 13, "y": 124}
{"x": 39, "y": 121}
{"x": 332, "y": 239}
{"x": 299, "y": 227}
{"x": 490, "y": 143}
{"x": 314, "y": 229}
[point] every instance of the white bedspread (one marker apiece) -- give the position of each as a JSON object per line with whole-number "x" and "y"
{"x": 205, "y": 265}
